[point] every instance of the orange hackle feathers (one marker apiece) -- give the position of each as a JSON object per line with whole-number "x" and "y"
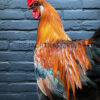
{"x": 50, "y": 26}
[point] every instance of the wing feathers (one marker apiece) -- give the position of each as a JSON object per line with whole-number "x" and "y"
{"x": 67, "y": 57}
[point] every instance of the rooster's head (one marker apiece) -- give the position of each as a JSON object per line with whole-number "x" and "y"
{"x": 36, "y": 6}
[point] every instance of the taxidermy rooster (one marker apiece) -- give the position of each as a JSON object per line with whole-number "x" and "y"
{"x": 60, "y": 64}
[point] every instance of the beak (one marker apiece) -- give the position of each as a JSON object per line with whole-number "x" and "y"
{"x": 29, "y": 8}
{"x": 32, "y": 7}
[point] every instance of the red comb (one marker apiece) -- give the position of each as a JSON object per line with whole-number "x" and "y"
{"x": 30, "y": 2}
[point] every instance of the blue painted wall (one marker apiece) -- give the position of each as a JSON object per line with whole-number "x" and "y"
{"x": 18, "y": 37}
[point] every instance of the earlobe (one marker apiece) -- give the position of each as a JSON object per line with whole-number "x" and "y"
{"x": 41, "y": 8}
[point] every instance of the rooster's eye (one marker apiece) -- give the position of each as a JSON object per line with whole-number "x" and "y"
{"x": 36, "y": 4}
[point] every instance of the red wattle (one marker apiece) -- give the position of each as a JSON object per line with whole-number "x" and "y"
{"x": 35, "y": 14}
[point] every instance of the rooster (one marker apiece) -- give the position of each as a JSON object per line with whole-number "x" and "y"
{"x": 60, "y": 64}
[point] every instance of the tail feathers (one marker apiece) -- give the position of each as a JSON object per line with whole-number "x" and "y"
{"x": 96, "y": 54}
{"x": 94, "y": 74}
{"x": 96, "y": 37}
{"x": 97, "y": 34}
{"x": 89, "y": 81}
{"x": 95, "y": 48}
